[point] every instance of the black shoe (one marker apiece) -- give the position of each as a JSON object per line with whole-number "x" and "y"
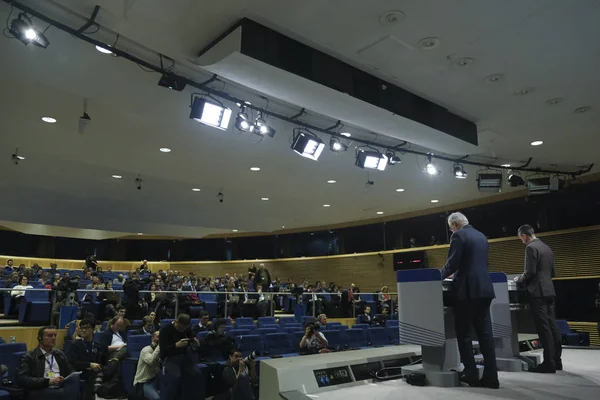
{"x": 543, "y": 369}
{"x": 489, "y": 383}
{"x": 559, "y": 366}
{"x": 468, "y": 379}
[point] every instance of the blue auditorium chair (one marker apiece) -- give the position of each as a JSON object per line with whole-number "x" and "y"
{"x": 210, "y": 303}
{"x": 266, "y": 321}
{"x": 4, "y": 395}
{"x": 10, "y": 355}
{"x": 244, "y": 321}
{"x": 270, "y": 326}
{"x": 356, "y": 338}
{"x": 296, "y": 327}
{"x": 228, "y": 322}
{"x": 571, "y": 338}
{"x": 278, "y": 344}
{"x": 308, "y": 318}
{"x": 247, "y": 344}
{"x": 378, "y": 336}
{"x": 342, "y": 327}
{"x": 165, "y": 322}
{"x": 128, "y": 368}
{"x": 135, "y": 344}
{"x": 201, "y": 335}
{"x": 360, "y": 326}
{"x": 334, "y": 339}
{"x": 238, "y": 332}
{"x": 195, "y": 310}
{"x": 284, "y": 321}
{"x": 264, "y": 331}
{"x": 35, "y": 308}
{"x": 333, "y": 325}
{"x": 292, "y": 329}
{"x": 296, "y": 337}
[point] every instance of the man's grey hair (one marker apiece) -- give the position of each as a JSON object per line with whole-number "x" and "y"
{"x": 458, "y": 219}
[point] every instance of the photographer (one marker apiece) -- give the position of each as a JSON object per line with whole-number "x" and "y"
{"x": 313, "y": 340}
{"x": 240, "y": 377}
{"x": 216, "y": 345}
{"x": 182, "y": 378}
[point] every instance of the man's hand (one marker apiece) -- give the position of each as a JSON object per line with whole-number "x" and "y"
{"x": 182, "y": 343}
{"x": 56, "y": 381}
{"x": 307, "y": 332}
{"x": 516, "y": 278}
{"x": 95, "y": 367}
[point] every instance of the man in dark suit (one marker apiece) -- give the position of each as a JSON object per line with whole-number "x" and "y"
{"x": 537, "y": 278}
{"x": 468, "y": 262}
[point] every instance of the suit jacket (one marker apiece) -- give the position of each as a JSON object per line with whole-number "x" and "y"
{"x": 468, "y": 261}
{"x": 80, "y": 356}
{"x": 365, "y": 319}
{"x": 539, "y": 269}
{"x": 30, "y": 374}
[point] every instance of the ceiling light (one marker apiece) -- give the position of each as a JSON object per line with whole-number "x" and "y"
{"x": 379, "y": 212}
{"x": 211, "y": 114}
{"x": 262, "y": 127}
{"x": 459, "y": 172}
{"x": 399, "y": 190}
{"x": 172, "y": 81}
{"x": 463, "y": 62}
{"x": 514, "y": 179}
{"x": 544, "y": 185}
{"x": 336, "y": 145}
{"x": 307, "y": 144}
{"x": 345, "y": 134}
{"x": 264, "y": 198}
{"x": 242, "y": 121}
{"x": 331, "y": 181}
{"x": 103, "y": 50}
{"x": 326, "y": 205}
{"x": 234, "y": 230}
{"x": 255, "y": 169}
{"x": 554, "y": 101}
{"x": 391, "y": 17}
{"x": 489, "y": 182}
{"x": 165, "y": 150}
{"x": 505, "y": 165}
{"x": 494, "y": 78}
{"x": 430, "y": 167}
{"x": 523, "y": 92}
{"x": 435, "y": 201}
{"x": 282, "y": 226}
{"x": 49, "y": 120}
{"x": 117, "y": 176}
{"x": 581, "y": 110}
{"x": 140, "y": 233}
{"x": 196, "y": 189}
{"x": 370, "y": 159}
{"x": 22, "y": 28}
{"x": 537, "y": 143}
{"x": 429, "y": 43}
{"x": 393, "y": 159}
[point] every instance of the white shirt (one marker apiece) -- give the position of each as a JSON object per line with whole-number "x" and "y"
{"x": 19, "y": 290}
{"x": 117, "y": 340}
{"x": 50, "y": 365}
{"x": 148, "y": 366}
{"x": 313, "y": 342}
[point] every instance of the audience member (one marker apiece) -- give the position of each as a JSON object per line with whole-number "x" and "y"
{"x": 148, "y": 368}
{"x": 365, "y": 317}
{"x": 114, "y": 338}
{"x": 262, "y": 276}
{"x": 239, "y": 375}
{"x": 119, "y": 280}
{"x": 148, "y": 328}
{"x": 313, "y": 340}
{"x": 87, "y": 356}
{"x": 322, "y": 321}
{"x": 202, "y": 325}
{"x": 216, "y": 345}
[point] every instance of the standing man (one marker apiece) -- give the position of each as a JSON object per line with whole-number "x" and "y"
{"x": 468, "y": 261}
{"x": 148, "y": 368}
{"x": 537, "y": 278}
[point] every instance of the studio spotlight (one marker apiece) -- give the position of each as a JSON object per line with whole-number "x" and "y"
{"x": 514, "y": 179}
{"x": 242, "y": 121}
{"x": 211, "y": 114}
{"x": 336, "y": 145}
{"x": 261, "y": 126}
{"x": 489, "y": 182}
{"x": 307, "y": 144}
{"x": 22, "y": 28}
{"x": 393, "y": 159}
{"x": 370, "y": 159}
{"x": 430, "y": 168}
{"x": 172, "y": 82}
{"x": 459, "y": 172}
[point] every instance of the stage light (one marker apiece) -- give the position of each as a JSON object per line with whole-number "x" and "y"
{"x": 489, "y": 182}
{"x": 544, "y": 185}
{"x": 262, "y": 127}
{"x": 459, "y": 172}
{"x": 211, "y": 114}
{"x": 22, "y": 28}
{"x": 370, "y": 159}
{"x": 336, "y": 145}
{"x": 514, "y": 179}
{"x": 172, "y": 82}
{"x": 242, "y": 121}
{"x": 393, "y": 159}
{"x": 430, "y": 168}
{"x": 307, "y": 144}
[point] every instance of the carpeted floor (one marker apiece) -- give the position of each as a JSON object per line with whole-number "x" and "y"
{"x": 580, "y": 380}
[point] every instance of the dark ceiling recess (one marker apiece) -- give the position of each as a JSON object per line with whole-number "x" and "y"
{"x": 280, "y": 51}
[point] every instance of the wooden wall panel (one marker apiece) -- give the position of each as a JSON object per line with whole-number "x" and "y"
{"x": 78, "y": 264}
{"x": 589, "y": 327}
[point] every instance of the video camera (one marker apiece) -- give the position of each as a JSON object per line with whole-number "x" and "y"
{"x": 313, "y": 327}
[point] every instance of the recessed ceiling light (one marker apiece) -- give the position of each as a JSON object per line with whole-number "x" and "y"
{"x": 140, "y": 233}
{"x": 379, "y": 212}
{"x": 523, "y": 92}
{"x": 494, "y": 78}
{"x": 254, "y": 169}
{"x": 49, "y": 120}
{"x": 165, "y": 150}
{"x": 282, "y": 226}
{"x": 464, "y": 62}
{"x": 505, "y": 165}
{"x": 196, "y": 189}
{"x": 326, "y": 205}
{"x": 264, "y": 198}
{"x": 581, "y": 110}
{"x": 331, "y": 181}
{"x": 103, "y": 49}
{"x": 234, "y": 230}
{"x": 554, "y": 101}
{"x": 537, "y": 143}
{"x": 429, "y": 43}
{"x": 399, "y": 190}
{"x": 345, "y": 134}
{"x": 391, "y": 17}
{"x": 117, "y": 176}
{"x": 435, "y": 201}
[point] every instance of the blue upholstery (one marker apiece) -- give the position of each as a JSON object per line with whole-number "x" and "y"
{"x": 333, "y": 325}
{"x": 128, "y": 368}
{"x": 165, "y": 322}
{"x": 195, "y": 310}
{"x": 334, "y": 338}
{"x": 294, "y": 325}
{"x": 210, "y": 303}
{"x": 278, "y": 344}
{"x": 7, "y": 352}
{"x": 394, "y": 334}
{"x": 270, "y": 326}
{"x": 342, "y": 327}
{"x": 227, "y": 320}
{"x": 287, "y": 320}
{"x": 356, "y": 337}
{"x": 392, "y": 323}
{"x": 264, "y": 331}
{"x": 308, "y": 318}
{"x": 36, "y": 307}
{"x": 378, "y": 336}
{"x": 292, "y": 329}
{"x": 247, "y": 344}
{"x": 135, "y": 344}
{"x": 571, "y": 338}
{"x": 67, "y": 314}
{"x": 104, "y": 324}
{"x": 244, "y": 321}
{"x": 238, "y": 332}
{"x": 266, "y": 321}
{"x": 4, "y": 395}
{"x": 360, "y": 326}
{"x": 296, "y": 337}
{"x": 202, "y": 335}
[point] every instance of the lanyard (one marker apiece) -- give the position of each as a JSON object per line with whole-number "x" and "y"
{"x": 50, "y": 363}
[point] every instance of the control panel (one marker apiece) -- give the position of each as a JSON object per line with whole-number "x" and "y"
{"x": 332, "y": 376}
{"x": 362, "y": 372}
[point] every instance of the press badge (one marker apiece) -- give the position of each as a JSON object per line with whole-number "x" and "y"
{"x": 50, "y": 375}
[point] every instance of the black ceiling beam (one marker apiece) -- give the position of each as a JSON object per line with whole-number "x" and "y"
{"x": 291, "y": 120}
